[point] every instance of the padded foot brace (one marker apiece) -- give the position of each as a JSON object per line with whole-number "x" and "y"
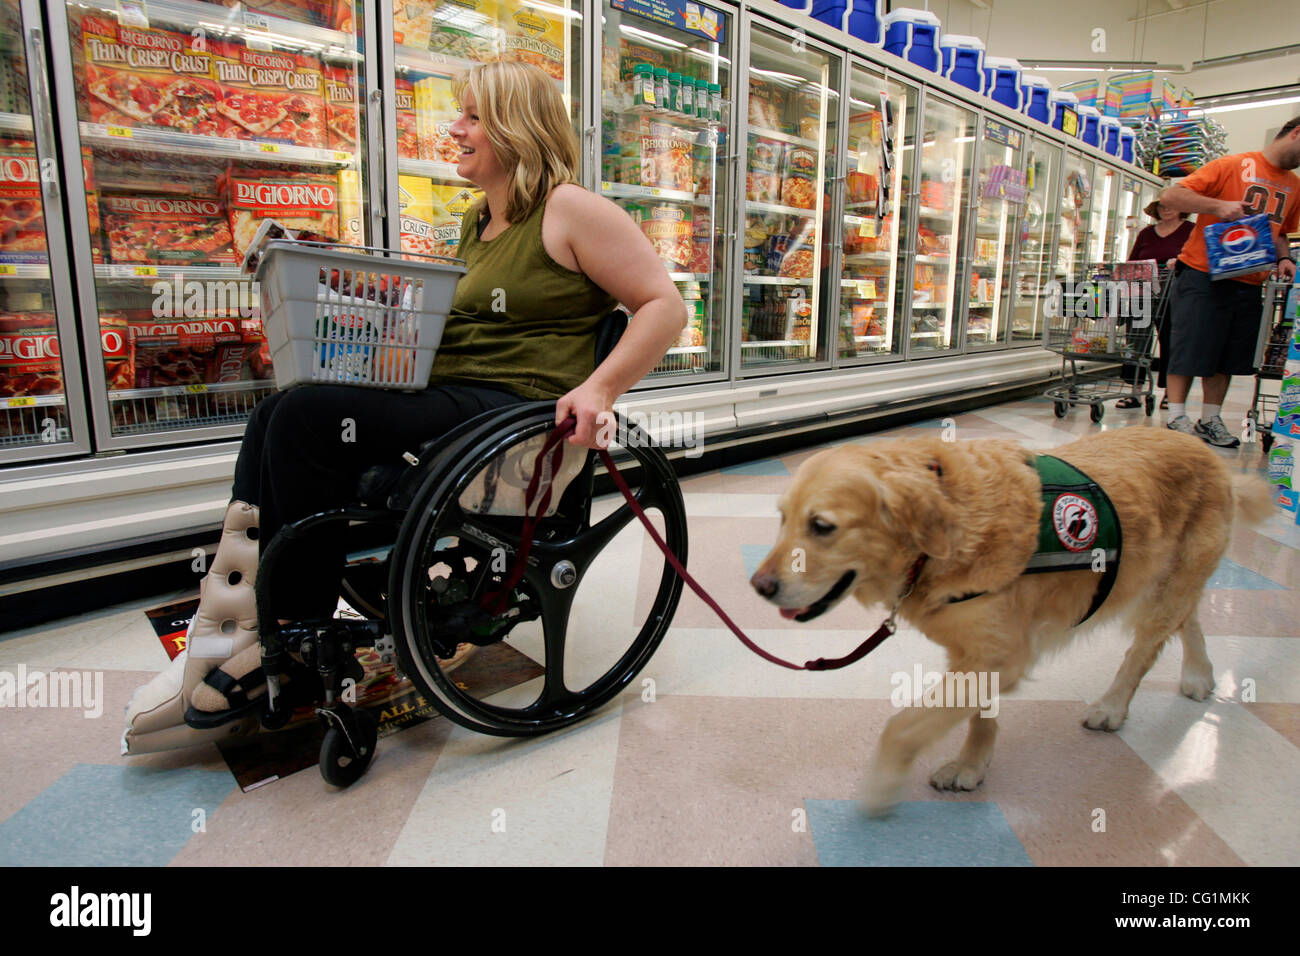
{"x": 224, "y": 628}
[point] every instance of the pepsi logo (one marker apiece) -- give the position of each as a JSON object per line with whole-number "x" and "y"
{"x": 1238, "y": 238}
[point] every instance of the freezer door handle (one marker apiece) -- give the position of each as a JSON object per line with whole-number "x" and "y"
{"x": 36, "y": 43}
{"x": 375, "y": 127}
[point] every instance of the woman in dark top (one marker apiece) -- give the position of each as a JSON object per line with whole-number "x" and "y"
{"x": 1161, "y": 241}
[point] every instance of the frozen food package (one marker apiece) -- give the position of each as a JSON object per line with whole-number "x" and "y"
{"x": 270, "y": 95}
{"x": 29, "y": 355}
{"x": 408, "y": 134}
{"x": 435, "y": 112}
{"x": 428, "y": 223}
{"x": 533, "y": 34}
{"x": 465, "y": 30}
{"x": 320, "y": 13}
{"x": 666, "y": 160}
{"x": 668, "y": 227}
{"x": 166, "y": 230}
{"x": 342, "y": 118}
{"x": 768, "y": 106}
{"x": 298, "y": 200}
{"x": 147, "y": 78}
{"x": 22, "y": 219}
{"x": 763, "y": 175}
{"x": 799, "y": 177}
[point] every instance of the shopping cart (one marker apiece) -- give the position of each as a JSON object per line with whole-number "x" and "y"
{"x": 1112, "y": 318}
{"x": 1276, "y": 328}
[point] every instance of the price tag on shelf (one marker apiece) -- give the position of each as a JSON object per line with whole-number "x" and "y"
{"x": 125, "y": 132}
{"x": 342, "y": 157}
{"x": 604, "y": 186}
{"x": 868, "y": 229}
{"x": 197, "y": 388}
{"x": 26, "y": 401}
{"x": 867, "y": 288}
{"x": 8, "y": 270}
{"x": 256, "y": 21}
{"x": 132, "y": 13}
{"x": 146, "y": 270}
{"x": 268, "y": 148}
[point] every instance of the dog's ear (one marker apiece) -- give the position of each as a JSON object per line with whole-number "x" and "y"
{"x": 914, "y": 505}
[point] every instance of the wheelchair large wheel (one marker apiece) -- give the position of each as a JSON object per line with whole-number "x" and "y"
{"x": 595, "y": 600}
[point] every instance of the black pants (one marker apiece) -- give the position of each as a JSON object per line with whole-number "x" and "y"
{"x": 304, "y": 450}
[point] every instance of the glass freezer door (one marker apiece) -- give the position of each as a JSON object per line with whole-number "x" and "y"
{"x": 1075, "y": 208}
{"x": 790, "y": 144}
{"x": 882, "y": 121}
{"x": 663, "y": 147}
{"x": 947, "y": 154}
{"x": 41, "y": 407}
{"x": 1000, "y": 200}
{"x": 1128, "y": 217}
{"x": 1035, "y": 228}
{"x": 195, "y": 123}
{"x": 1101, "y": 226}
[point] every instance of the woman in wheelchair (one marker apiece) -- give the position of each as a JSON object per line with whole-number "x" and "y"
{"x": 546, "y": 261}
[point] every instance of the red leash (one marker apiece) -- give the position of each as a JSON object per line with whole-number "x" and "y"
{"x": 555, "y": 441}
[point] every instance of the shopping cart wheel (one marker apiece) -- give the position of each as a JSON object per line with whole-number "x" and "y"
{"x": 1150, "y": 402}
{"x": 1096, "y": 412}
{"x": 1266, "y": 442}
{"x": 1060, "y": 408}
{"x": 575, "y": 630}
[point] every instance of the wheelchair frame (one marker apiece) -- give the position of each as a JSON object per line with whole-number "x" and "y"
{"x": 422, "y": 619}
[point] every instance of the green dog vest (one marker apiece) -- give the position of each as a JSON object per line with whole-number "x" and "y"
{"x": 1078, "y": 527}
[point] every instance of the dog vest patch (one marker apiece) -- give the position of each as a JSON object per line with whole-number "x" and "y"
{"x": 1078, "y": 528}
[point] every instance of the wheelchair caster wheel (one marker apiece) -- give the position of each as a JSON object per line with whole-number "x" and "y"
{"x": 349, "y": 745}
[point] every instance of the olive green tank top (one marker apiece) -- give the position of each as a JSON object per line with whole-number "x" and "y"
{"x": 519, "y": 320}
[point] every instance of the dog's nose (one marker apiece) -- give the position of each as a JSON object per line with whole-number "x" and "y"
{"x": 765, "y": 584}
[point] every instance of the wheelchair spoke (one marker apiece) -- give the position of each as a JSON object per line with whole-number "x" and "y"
{"x": 583, "y": 548}
{"x": 555, "y": 623}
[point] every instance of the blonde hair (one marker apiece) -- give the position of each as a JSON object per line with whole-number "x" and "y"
{"x": 523, "y": 117}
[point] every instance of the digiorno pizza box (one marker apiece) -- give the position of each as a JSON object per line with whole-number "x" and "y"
{"x": 29, "y": 355}
{"x": 341, "y": 115}
{"x": 22, "y": 219}
{"x": 147, "y": 78}
{"x": 269, "y": 95}
{"x": 297, "y": 200}
{"x": 166, "y": 230}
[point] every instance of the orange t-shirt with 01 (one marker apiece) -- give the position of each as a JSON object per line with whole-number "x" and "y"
{"x": 1253, "y": 180}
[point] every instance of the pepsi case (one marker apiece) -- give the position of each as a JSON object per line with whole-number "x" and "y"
{"x": 1240, "y": 247}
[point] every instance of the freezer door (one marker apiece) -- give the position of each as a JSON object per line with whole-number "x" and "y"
{"x": 881, "y": 134}
{"x": 1001, "y": 196}
{"x": 789, "y": 297}
{"x": 188, "y": 126}
{"x": 1033, "y": 271}
{"x": 42, "y": 410}
{"x": 1075, "y": 210}
{"x": 947, "y": 151}
{"x": 665, "y": 137}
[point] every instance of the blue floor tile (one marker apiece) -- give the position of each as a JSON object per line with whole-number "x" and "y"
{"x": 111, "y": 816}
{"x": 1231, "y": 575}
{"x": 934, "y": 833}
{"x": 765, "y": 467}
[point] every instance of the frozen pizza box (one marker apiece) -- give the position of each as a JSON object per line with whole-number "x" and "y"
{"x": 435, "y": 111}
{"x": 166, "y": 230}
{"x": 22, "y": 219}
{"x": 461, "y": 29}
{"x": 320, "y": 13}
{"x": 408, "y": 135}
{"x": 147, "y": 78}
{"x": 431, "y": 215}
{"x": 299, "y": 201}
{"x": 341, "y": 115}
{"x": 29, "y": 355}
{"x": 272, "y": 96}
{"x": 532, "y": 34}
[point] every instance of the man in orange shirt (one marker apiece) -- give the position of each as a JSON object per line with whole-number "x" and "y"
{"x": 1216, "y": 324}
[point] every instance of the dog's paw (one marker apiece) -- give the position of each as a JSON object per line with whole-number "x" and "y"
{"x": 881, "y": 793}
{"x": 1103, "y": 716}
{"x": 1198, "y": 686}
{"x": 956, "y": 775}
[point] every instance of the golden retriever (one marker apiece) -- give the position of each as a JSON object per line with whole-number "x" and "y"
{"x": 856, "y": 518}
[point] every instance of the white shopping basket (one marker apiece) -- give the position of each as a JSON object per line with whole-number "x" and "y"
{"x": 354, "y": 315}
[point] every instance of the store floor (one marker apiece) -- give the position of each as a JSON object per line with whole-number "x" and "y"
{"x": 715, "y": 756}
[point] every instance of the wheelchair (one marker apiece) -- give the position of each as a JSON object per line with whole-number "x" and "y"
{"x": 449, "y": 536}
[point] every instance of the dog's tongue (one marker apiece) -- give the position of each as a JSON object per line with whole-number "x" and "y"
{"x": 790, "y": 613}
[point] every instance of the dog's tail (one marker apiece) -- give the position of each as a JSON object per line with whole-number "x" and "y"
{"x": 1252, "y": 499}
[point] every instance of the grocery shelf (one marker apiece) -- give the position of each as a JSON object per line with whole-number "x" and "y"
{"x": 617, "y": 103}
{"x": 197, "y": 273}
{"x": 15, "y": 123}
{"x": 628, "y": 191}
{"x": 761, "y": 207}
{"x": 932, "y": 260}
{"x": 198, "y": 388}
{"x": 687, "y": 350}
{"x": 690, "y": 276}
{"x": 34, "y": 401}
{"x": 865, "y": 257}
{"x": 431, "y": 169}
{"x": 763, "y": 133}
{"x": 774, "y": 343}
{"x": 215, "y": 147}
{"x": 24, "y": 270}
{"x": 930, "y": 213}
{"x": 426, "y": 61}
{"x": 775, "y": 280}
{"x": 236, "y": 21}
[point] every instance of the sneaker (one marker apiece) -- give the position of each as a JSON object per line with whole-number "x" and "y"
{"x": 1215, "y": 433}
{"x": 1183, "y": 424}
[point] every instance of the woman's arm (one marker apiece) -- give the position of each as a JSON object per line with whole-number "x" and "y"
{"x": 611, "y": 251}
